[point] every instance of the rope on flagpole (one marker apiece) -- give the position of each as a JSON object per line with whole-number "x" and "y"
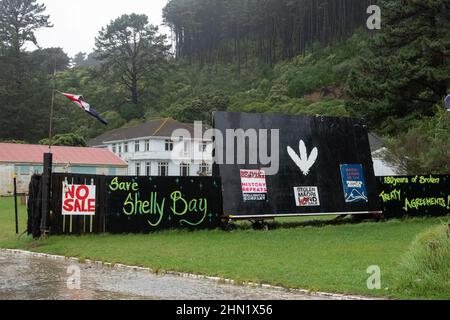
{"x": 52, "y": 111}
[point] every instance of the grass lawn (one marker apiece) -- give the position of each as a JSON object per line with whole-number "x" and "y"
{"x": 332, "y": 258}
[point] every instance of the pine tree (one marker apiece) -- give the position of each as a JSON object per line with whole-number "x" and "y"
{"x": 408, "y": 70}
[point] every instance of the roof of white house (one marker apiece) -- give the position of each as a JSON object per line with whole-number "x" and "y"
{"x": 375, "y": 142}
{"x": 28, "y": 153}
{"x": 151, "y": 128}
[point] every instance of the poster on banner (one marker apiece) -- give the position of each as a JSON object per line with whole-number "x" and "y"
{"x": 78, "y": 200}
{"x": 307, "y": 196}
{"x": 354, "y": 183}
{"x": 254, "y": 187}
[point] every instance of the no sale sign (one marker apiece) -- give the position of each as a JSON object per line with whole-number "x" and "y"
{"x": 78, "y": 200}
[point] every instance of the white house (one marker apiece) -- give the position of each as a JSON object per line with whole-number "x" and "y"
{"x": 380, "y": 166}
{"x": 149, "y": 149}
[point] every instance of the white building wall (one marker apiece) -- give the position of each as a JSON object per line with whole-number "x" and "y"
{"x": 24, "y": 172}
{"x": 189, "y": 151}
{"x": 381, "y": 167}
{"x": 6, "y": 179}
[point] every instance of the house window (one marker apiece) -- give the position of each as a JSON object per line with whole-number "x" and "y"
{"x": 147, "y": 145}
{"x": 203, "y": 146}
{"x": 185, "y": 170}
{"x": 114, "y": 148}
{"x": 136, "y": 146}
{"x": 169, "y": 145}
{"x": 187, "y": 148}
{"x": 138, "y": 169}
{"x": 120, "y": 149}
{"x": 163, "y": 169}
{"x": 204, "y": 169}
{"x": 148, "y": 169}
{"x": 125, "y": 147}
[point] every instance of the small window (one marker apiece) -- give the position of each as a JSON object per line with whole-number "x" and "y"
{"x": 136, "y": 146}
{"x": 114, "y": 148}
{"x": 148, "y": 169}
{"x": 187, "y": 148}
{"x": 169, "y": 145}
{"x": 163, "y": 169}
{"x": 203, "y": 146}
{"x": 138, "y": 169}
{"x": 147, "y": 145}
{"x": 185, "y": 170}
{"x": 120, "y": 149}
{"x": 125, "y": 147}
{"x": 204, "y": 169}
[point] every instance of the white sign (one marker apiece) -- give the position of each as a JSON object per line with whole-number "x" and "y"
{"x": 78, "y": 200}
{"x": 307, "y": 196}
{"x": 254, "y": 185}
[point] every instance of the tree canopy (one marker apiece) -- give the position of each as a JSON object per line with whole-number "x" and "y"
{"x": 131, "y": 49}
{"x": 406, "y": 70}
{"x": 271, "y": 30}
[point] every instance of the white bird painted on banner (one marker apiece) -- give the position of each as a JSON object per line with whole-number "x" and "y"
{"x": 303, "y": 161}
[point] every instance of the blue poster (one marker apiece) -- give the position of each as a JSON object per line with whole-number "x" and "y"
{"x": 354, "y": 183}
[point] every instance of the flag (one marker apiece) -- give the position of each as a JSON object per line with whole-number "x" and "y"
{"x": 447, "y": 103}
{"x": 79, "y": 100}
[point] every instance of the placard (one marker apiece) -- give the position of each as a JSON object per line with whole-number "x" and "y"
{"x": 78, "y": 200}
{"x": 354, "y": 183}
{"x": 307, "y": 196}
{"x": 254, "y": 187}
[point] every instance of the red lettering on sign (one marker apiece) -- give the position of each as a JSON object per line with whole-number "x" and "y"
{"x": 80, "y": 190}
{"x": 68, "y": 205}
{"x": 70, "y": 191}
{"x": 91, "y": 205}
{"x": 78, "y": 199}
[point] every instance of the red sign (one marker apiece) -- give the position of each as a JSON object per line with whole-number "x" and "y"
{"x": 78, "y": 200}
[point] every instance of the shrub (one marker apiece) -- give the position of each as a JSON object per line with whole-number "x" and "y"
{"x": 425, "y": 269}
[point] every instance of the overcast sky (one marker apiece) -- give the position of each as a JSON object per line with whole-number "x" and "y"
{"x": 77, "y": 22}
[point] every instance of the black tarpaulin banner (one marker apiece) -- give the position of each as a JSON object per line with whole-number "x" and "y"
{"x": 319, "y": 157}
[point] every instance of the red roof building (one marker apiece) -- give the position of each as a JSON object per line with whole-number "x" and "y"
{"x": 26, "y": 153}
{"x": 24, "y": 160}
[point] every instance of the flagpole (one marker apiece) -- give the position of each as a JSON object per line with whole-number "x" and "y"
{"x": 52, "y": 111}
{"x": 47, "y": 170}
{"x": 50, "y": 129}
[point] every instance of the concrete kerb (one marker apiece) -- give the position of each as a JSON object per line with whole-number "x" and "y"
{"x": 119, "y": 266}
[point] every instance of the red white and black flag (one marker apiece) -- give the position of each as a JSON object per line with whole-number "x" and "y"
{"x": 79, "y": 100}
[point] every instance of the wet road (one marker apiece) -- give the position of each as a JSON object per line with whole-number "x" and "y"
{"x": 28, "y": 278}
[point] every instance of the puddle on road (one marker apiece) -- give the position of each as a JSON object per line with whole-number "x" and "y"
{"x": 28, "y": 278}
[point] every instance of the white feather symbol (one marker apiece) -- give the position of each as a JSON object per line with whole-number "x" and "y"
{"x": 304, "y": 162}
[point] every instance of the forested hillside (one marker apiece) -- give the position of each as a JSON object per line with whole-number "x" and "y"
{"x": 211, "y": 31}
{"x": 277, "y": 56}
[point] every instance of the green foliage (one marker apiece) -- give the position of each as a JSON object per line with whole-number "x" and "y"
{"x": 50, "y": 59}
{"x": 234, "y": 56}
{"x": 424, "y": 147}
{"x": 19, "y": 19}
{"x": 131, "y": 49}
{"x": 13, "y": 141}
{"x": 216, "y": 31}
{"x": 69, "y": 140}
{"x": 406, "y": 69}
{"x": 25, "y": 87}
{"x": 425, "y": 269}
